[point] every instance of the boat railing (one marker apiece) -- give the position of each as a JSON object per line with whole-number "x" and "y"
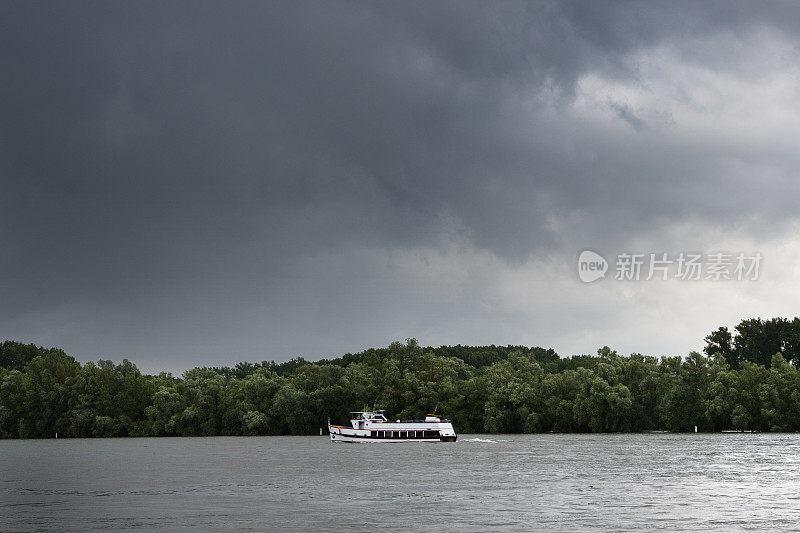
{"x": 406, "y": 421}
{"x": 419, "y": 421}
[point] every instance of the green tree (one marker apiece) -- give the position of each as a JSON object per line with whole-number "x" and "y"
{"x": 721, "y": 342}
{"x": 514, "y": 403}
{"x": 684, "y": 406}
{"x": 780, "y": 396}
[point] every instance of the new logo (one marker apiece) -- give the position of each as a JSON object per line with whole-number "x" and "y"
{"x": 591, "y": 266}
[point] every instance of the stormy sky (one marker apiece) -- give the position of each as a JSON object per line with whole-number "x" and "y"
{"x": 189, "y": 183}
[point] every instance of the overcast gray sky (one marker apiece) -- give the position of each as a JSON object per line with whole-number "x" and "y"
{"x": 189, "y": 183}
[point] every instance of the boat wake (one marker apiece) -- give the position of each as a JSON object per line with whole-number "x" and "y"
{"x": 476, "y": 439}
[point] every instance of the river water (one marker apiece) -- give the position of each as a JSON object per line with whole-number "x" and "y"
{"x": 522, "y": 482}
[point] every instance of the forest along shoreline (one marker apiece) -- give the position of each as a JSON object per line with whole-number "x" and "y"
{"x": 746, "y": 380}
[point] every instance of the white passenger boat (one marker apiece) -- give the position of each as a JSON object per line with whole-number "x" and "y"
{"x": 372, "y": 426}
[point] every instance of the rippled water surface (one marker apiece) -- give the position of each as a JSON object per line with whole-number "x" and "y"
{"x": 532, "y": 482}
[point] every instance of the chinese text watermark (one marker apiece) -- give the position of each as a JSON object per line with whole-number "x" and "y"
{"x": 684, "y": 266}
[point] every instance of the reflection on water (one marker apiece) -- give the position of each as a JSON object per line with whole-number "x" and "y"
{"x": 545, "y": 482}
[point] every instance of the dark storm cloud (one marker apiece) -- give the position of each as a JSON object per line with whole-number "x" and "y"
{"x": 161, "y": 159}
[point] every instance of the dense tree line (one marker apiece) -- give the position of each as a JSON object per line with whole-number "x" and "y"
{"x": 738, "y": 384}
{"x": 756, "y": 341}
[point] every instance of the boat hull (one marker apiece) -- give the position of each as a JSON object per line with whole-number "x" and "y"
{"x": 346, "y": 438}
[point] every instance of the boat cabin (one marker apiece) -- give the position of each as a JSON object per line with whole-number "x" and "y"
{"x": 372, "y": 416}
{"x": 359, "y": 418}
